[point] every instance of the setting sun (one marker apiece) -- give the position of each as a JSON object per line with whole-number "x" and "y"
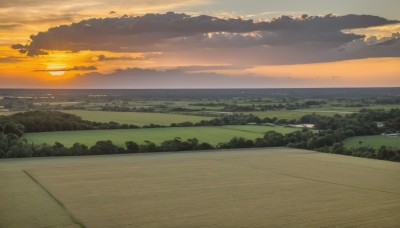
{"x": 56, "y": 69}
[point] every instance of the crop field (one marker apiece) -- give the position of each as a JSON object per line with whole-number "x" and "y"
{"x": 4, "y": 113}
{"x": 287, "y": 114}
{"x": 274, "y": 187}
{"x": 136, "y": 118}
{"x": 212, "y": 135}
{"x": 323, "y": 111}
{"x": 343, "y": 109}
{"x": 374, "y": 141}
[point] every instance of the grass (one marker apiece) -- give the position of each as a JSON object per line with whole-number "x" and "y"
{"x": 274, "y": 187}
{"x": 345, "y": 110}
{"x": 3, "y": 113}
{"x": 212, "y": 135}
{"x": 324, "y": 111}
{"x": 286, "y": 114}
{"x": 62, "y": 103}
{"x": 374, "y": 141}
{"x": 136, "y": 118}
{"x": 25, "y": 204}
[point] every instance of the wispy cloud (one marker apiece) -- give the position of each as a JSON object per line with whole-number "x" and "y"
{"x": 74, "y": 68}
{"x": 103, "y": 58}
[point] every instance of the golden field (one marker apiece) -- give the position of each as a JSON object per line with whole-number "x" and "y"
{"x": 230, "y": 188}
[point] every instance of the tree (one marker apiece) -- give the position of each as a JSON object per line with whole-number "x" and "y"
{"x": 338, "y": 148}
{"x": 19, "y": 149}
{"x": 386, "y": 153}
{"x": 59, "y": 149}
{"x": 12, "y": 128}
{"x": 79, "y": 149}
{"x": 104, "y": 147}
{"x": 237, "y": 143}
{"x": 149, "y": 147}
{"x": 3, "y": 145}
{"x": 272, "y": 138}
{"x": 132, "y": 147}
{"x": 172, "y": 145}
{"x": 43, "y": 150}
{"x": 204, "y": 146}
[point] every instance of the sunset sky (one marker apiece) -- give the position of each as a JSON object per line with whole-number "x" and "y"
{"x": 199, "y": 44}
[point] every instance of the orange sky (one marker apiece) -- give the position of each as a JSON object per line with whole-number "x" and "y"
{"x": 19, "y": 70}
{"x": 374, "y": 72}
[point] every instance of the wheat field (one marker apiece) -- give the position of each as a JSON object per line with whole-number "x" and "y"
{"x": 274, "y": 187}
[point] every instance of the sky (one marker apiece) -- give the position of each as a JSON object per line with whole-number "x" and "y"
{"x": 199, "y": 44}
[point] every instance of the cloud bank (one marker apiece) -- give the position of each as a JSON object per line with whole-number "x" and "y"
{"x": 176, "y": 78}
{"x": 283, "y": 40}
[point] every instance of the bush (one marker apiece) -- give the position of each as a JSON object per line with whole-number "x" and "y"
{"x": 105, "y": 147}
{"x": 132, "y": 147}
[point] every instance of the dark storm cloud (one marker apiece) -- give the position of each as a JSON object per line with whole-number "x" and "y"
{"x": 181, "y": 32}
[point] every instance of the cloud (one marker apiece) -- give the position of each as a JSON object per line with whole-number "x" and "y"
{"x": 103, "y": 58}
{"x": 10, "y": 59}
{"x": 208, "y": 68}
{"x": 394, "y": 39}
{"x": 84, "y": 68}
{"x": 172, "y": 32}
{"x": 79, "y": 4}
{"x": 8, "y": 26}
{"x": 175, "y": 78}
{"x": 74, "y": 68}
{"x": 353, "y": 73}
{"x": 21, "y": 3}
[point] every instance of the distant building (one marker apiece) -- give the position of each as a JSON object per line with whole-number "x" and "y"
{"x": 392, "y": 134}
{"x": 302, "y": 125}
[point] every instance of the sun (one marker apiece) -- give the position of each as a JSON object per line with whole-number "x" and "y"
{"x": 56, "y": 69}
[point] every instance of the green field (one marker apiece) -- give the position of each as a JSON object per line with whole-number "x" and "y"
{"x": 212, "y": 135}
{"x": 324, "y": 111}
{"x": 374, "y": 141}
{"x": 136, "y": 118}
{"x": 343, "y": 109}
{"x": 288, "y": 114}
{"x": 274, "y": 187}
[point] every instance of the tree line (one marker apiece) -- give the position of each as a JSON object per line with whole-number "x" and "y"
{"x": 44, "y": 121}
{"x": 362, "y": 123}
{"x": 17, "y": 147}
{"x": 329, "y": 138}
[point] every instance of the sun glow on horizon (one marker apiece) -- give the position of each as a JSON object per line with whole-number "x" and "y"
{"x": 56, "y": 69}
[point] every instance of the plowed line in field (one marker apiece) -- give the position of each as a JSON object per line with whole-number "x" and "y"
{"x": 73, "y": 218}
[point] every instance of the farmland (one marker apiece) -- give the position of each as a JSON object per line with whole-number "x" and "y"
{"x": 374, "y": 141}
{"x": 136, "y": 118}
{"x": 212, "y": 135}
{"x": 288, "y": 114}
{"x": 231, "y": 188}
{"x": 323, "y": 111}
